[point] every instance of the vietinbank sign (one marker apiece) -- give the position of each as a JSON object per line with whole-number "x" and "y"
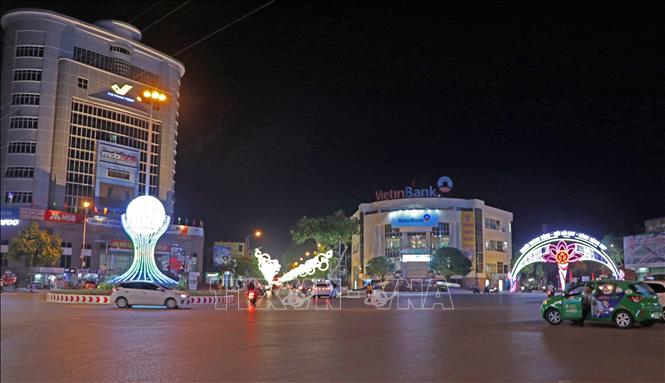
{"x": 414, "y": 218}
{"x": 443, "y": 185}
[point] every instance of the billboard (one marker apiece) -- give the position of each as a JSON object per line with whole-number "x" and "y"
{"x": 62, "y": 216}
{"x": 117, "y": 175}
{"x": 468, "y": 220}
{"x": 647, "y": 250}
{"x": 221, "y": 254}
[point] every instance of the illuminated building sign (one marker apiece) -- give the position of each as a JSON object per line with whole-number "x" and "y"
{"x": 61, "y": 216}
{"x": 412, "y": 218}
{"x": 120, "y": 93}
{"x": 416, "y": 257}
{"x": 9, "y": 222}
{"x": 116, "y": 156}
{"x": 444, "y": 185}
{"x": 468, "y": 221}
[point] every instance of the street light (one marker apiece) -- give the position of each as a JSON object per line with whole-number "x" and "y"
{"x": 86, "y": 205}
{"x": 256, "y": 234}
{"x": 150, "y": 97}
{"x": 307, "y": 253}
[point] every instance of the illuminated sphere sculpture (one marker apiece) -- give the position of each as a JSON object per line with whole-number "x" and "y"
{"x": 145, "y": 222}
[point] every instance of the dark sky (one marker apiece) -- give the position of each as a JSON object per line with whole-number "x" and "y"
{"x": 553, "y": 111}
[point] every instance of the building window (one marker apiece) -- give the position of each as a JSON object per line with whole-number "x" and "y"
{"x": 29, "y": 51}
{"x": 493, "y": 224}
{"x": 87, "y": 260}
{"x": 83, "y": 83}
{"x": 123, "y": 50}
{"x": 66, "y": 245}
{"x": 115, "y": 65}
{"x": 441, "y": 235}
{"x": 23, "y": 122}
{"x": 493, "y": 245}
{"x": 499, "y": 267}
{"x": 91, "y": 123}
{"x": 21, "y": 147}
{"x": 3, "y": 260}
{"x": 66, "y": 261}
{"x": 27, "y": 75}
{"x": 19, "y": 172}
{"x": 25, "y": 99}
{"x": 18, "y": 197}
{"x": 491, "y": 268}
{"x": 393, "y": 241}
{"x": 417, "y": 240}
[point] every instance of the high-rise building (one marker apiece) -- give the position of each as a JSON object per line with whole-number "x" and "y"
{"x": 75, "y": 132}
{"x": 72, "y": 127}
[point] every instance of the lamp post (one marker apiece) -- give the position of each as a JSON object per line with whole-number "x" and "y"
{"x": 256, "y": 234}
{"x": 151, "y": 98}
{"x": 86, "y": 205}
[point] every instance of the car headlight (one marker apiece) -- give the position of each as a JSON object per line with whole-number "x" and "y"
{"x": 183, "y": 296}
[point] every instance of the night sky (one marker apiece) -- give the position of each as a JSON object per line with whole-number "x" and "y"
{"x": 553, "y": 111}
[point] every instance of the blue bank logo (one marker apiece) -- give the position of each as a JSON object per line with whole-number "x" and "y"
{"x": 445, "y": 184}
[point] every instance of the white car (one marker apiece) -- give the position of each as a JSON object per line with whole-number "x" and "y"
{"x": 659, "y": 288}
{"x": 324, "y": 289}
{"x": 127, "y": 294}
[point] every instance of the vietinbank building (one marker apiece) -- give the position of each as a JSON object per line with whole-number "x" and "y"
{"x": 410, "y": 224}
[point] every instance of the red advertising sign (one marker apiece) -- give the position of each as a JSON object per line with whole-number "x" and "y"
{"x": 61, "y": 216}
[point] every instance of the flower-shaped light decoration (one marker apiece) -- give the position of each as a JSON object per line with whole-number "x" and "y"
{"x": 562, "y": 254}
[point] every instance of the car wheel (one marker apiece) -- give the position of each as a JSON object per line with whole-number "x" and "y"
{"x": 648, "y": 323}
{"x": 623, "y": 319}
{"x": 553, "y": 316}
{"x": 121, "y": 303}
{"x": 171, "y": 303}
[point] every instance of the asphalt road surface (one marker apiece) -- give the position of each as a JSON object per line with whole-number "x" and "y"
{"x": 485, "y": 338}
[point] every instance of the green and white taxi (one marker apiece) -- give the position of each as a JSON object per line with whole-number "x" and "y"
{"x": 612, "y": 301}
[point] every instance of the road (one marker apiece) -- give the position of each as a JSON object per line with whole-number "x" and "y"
{"x": 485, "y": 338}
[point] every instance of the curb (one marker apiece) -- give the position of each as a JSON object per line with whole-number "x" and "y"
{"x": 106, "y": 299}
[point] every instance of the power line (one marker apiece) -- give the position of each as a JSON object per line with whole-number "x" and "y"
{"x": 166, "y": 15}
{"x": 224, "y": 27}
{"x": 144, "y": 12}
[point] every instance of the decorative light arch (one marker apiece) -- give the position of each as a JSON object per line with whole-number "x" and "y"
{"x": 562, "y": 247}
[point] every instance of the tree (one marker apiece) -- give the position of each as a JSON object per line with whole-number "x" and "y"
{"x": 380, "y": 266}
{"x": 246, "y": 265}
{"x": 450, "y": 261}
{"x": 333, "y": 231}
{"x": 614, "y": 248}
{"x": 37, "y": 247}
